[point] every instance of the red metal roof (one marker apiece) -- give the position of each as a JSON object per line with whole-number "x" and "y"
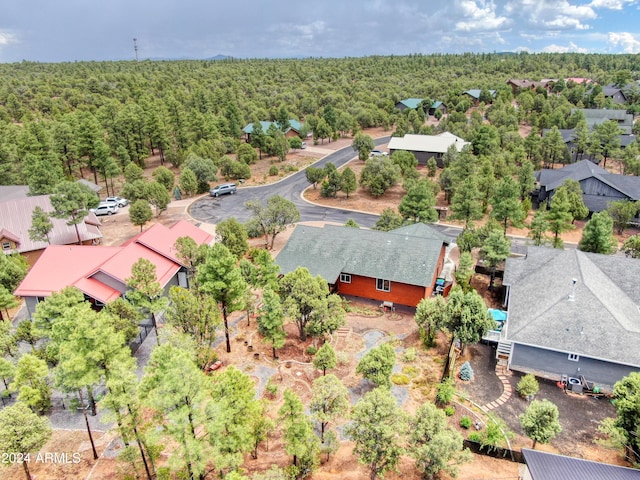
{"x": 82, "y": 265}
{"x": 161, "y": 239}
{"x": 119, "y": 266}
{"x": 61, "y": 266}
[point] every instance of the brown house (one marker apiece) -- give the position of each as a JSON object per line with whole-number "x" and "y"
{"x": 15, "y": 222}
{"x": 400, "y": 266}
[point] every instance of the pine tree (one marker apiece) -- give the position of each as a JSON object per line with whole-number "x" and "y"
{"x": 271, "y": 320}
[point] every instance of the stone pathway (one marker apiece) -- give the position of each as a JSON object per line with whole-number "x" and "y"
{"x": 506, "y": 391}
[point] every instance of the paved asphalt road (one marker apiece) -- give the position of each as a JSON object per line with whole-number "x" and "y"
{"x": 214, "y": 210}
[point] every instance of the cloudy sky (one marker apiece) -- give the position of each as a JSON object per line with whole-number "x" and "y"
{"x": 69, "y": 30}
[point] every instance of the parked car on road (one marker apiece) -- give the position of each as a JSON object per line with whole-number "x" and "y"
{"x": 223, "y": 189}
{"x": 105, "y": 209}
{"x": 119, "y": 201}
{"x": 378, "y": 153}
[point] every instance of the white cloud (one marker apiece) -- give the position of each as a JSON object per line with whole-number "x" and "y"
{"x": 612, "y": 4}
{"x": 628, "y": 41}
{"x": 479, "y": 15}
{"x": 572, "y": 47}
{"x": 7, "y": 38}
{"x": 551, "y": 14}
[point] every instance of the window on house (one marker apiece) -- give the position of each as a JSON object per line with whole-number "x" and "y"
{"x": 383, "y": 285}
{"x": 345, "y": 278}
{"x": 574, "y": 357}
{"x": 6, "y": 245}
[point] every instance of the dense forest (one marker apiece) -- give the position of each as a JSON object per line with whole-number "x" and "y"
{"x": 104, "y": 119}
{"x": 55, "y": 118}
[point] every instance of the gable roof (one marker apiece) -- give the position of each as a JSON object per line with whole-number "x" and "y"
{"x": 61, "y": 266}
{"x": 161, "y": 239}
{"x": 15, "y": 217}
{"x": 475, "y": 93}
{"x": 82, "y": 265}
{"x": 330, "y": 250}
{"x": 553, "y": 178}
{"x": 92, "y": 186}
{"x": 627, "y": 185}
{"x": 523, "y": 83}
{"x": 427, "y": 143}
{"x": 602, "y": 321}
{"x": 550, "y": 466}
{"x": 411, "y": 102}
{"x": 597, "y": 116}
{"x": 293, "y": 125}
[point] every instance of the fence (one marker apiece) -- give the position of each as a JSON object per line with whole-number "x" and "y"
{"x": 145, "y": 328}
{"x": 495, "y": 452}
{"x": 450, "y": 364}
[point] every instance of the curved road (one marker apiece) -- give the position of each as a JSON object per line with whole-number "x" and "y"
{"x": 213, "y": 210}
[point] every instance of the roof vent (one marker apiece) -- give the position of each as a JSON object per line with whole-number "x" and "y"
{"x": 572, "y": 295}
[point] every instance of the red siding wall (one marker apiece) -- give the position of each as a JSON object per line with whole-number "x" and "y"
{"x": 401, "y": 293}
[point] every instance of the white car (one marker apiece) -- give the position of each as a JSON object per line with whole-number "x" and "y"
{"x": 119, "y": 201}
{"x": 105, "y": 209}
{"x": 378, "y": 153}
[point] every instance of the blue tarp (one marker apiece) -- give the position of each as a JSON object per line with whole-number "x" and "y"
{"x": 498, "y": 315}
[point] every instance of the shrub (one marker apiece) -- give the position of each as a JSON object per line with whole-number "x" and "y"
{"x": 475, "y": 437}
{"x": 450, "y": 410}
{"x": 466, "y": 372}
{"x": 273, "y": 170}
{"x": 311, "y": 350}
{"x": 528, "y": 385}
{"x": 411, "y": 371}
{"x": 409, "y": 355}
{"x": 343, "y": 358}
{"x": 465, "y": 422}
{"x": 271, "y": 389}
{"x": 445, "y": 393}
{"x": 400, "y": 379}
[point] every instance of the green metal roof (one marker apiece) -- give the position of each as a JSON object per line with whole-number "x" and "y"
{"x": 411, "y": 102}
{"x": 294, "y": 125}
{"x": 328, "y": 251}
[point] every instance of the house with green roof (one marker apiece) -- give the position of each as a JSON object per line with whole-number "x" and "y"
{"x": 294, "y": 129}
{"x": 414, "y": 103}
{"x": 400, "y": 266}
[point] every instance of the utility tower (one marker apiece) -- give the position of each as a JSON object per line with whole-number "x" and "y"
{"x": 135, "y": 47}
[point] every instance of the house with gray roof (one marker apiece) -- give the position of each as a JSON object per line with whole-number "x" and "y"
{"x": 400, "y": 266}
{"x": 425, "y": 147}
{"x": 573, "y": 314}
{"x": 569, "y": 138}
{"x": 550, "y": 466}
{"x": 599, "y": 187}
{"x": 597, "y": 116}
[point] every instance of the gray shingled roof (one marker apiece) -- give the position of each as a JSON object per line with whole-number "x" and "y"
{"x": 553, "y": 178}
{"x": 550, "y": 466}
{"x": 330, "y": 250}
{"x": 603, "y": 319}
{"x": 596, "y": 116}
{"x": 627, "y": 185}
